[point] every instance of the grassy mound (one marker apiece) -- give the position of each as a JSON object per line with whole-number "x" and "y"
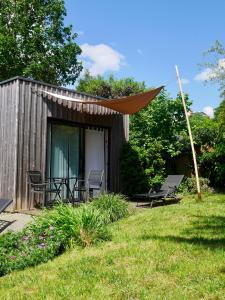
{"x": 57, "y": 229}
{"x": 171, "y": 252}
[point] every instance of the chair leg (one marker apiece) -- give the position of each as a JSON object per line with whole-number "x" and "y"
{"x": 151, "y": 204}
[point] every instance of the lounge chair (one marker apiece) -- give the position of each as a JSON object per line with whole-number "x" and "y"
{"x": 167, "y": 190}
{"x": 4, "y": 203}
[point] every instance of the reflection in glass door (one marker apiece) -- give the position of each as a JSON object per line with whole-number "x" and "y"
{"x": 63, "y": 153}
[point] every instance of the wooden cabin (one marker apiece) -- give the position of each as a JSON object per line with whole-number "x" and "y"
{"x": 55, "y": 136}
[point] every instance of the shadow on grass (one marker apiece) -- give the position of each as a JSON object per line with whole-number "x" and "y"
{"x": 198, "y": 241}
{"x": 205, "y": 231}
{"x": 144, "y": 204}
{"x": 207, "y": 225}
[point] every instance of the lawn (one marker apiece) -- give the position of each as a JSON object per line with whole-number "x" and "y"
{"x": 169, "y": 252}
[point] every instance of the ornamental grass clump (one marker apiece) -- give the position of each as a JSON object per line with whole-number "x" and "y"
{"x": 90, "y": 226}
{"x": 112, "y": 207}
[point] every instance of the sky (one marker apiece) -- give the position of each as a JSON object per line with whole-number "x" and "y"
{"x": 145, "y": 39}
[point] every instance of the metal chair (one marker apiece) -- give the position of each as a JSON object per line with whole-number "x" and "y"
{"x": 94, "y": 183}
{"x": 38, "y": 185}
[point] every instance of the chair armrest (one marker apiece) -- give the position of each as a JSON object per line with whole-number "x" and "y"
{"x": 81, "y": 180}
{"x": 39, "y": 184}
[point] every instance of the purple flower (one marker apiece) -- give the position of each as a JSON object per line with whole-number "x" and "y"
{"x": 41, "y": 246}
{"x": 13, "y": 257}
{"x": 41, "y": 237}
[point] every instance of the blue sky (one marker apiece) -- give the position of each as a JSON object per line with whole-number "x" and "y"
{"x": 145, "y": 39}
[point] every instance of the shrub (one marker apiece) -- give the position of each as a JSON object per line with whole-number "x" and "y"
{"x": 50, "y": 234}
{"x": 77, "y": 224}
{"x": 112, "y": 206}
{"x": 29, "y": 247}
{"x": 189, "y": 185}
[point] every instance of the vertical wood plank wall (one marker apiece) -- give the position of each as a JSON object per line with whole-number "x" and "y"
{"x": 8, "y": 139}
{"x": 34, "y": 110}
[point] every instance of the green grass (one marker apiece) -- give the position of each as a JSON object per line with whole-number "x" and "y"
{"x": 171, "y": 252}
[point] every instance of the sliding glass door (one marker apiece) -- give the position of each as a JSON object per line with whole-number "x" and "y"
{"x": 63, "y": 152}
{"x": 74, "y": 151}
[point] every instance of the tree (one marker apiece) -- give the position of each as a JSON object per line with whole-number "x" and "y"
{"x": 216, "y": 65}
{"x": 212, "y": 162}
{"x": 35, "y": 43}
{"x": 158, "y": 135}
{"x": 204, "y": 130}
{"x": 163, "y": 120}
{"x": 110, "y": 87}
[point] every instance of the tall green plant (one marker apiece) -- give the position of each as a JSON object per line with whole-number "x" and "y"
{"x": 112, "y": 207}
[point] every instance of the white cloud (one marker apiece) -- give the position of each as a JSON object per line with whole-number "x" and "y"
{"x": 209, "y": 111}
{"x": 101, "y": 58}
{"x": 221, "y": 63}
{"x": 139, "y": 51}
{"x": 206, "y": 74}
{"x": 209, "y": 73}
{"x": 185, "y": 81}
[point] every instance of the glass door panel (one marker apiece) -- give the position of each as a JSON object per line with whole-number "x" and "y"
{"x": 64, "y": 153}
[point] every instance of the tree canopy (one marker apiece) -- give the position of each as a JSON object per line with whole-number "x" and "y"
{"x": 35, "y": 43}
{"x": 159, "y": 137}
{"x": 216, "y": 65}
{"x": 110, "y": 87}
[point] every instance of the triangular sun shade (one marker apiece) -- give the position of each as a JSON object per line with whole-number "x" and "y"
{"x": 126, "y": 105}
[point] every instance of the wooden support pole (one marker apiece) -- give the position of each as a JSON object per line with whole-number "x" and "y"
{"x": 190, "y": 134}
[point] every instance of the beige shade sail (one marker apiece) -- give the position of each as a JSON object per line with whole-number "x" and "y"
{"x": 126, "y": 105}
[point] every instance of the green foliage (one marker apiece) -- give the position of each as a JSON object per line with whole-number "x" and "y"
{"x": 83, "y": 225}
{"x": 212, "y": 165}
{"x": 112, "y": 207}
{"x": 49, "y": 235}
{"x": 210, "y": 134}
{"x": 35, "y": 43}
{"x": 216, "y": 65}
{"x": 173, "y": 252}
{"x": 34, "y": 245}
{"x": 109, "y": 87}
{"x": 204, "y": 130}
{"x": 89, "y": 226}
{"x": 157, "y": 135}
{"x": 59, "y": 228}
{"x": 188, "y": 186}
{"x": 163, "y": 120}
{"x": 141, "y": 166}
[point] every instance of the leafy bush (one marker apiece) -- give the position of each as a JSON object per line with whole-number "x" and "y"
{"x": 189, "y": 185}
{"x": 84, "y": 225}
{"x": 141, "y": 167}
{"x": 50, "y": 234}
{"x": 30, "y": 247}
{"x": 112, "y": 207}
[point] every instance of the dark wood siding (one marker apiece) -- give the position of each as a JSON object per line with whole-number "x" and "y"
{"x": 28, "y": 150}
